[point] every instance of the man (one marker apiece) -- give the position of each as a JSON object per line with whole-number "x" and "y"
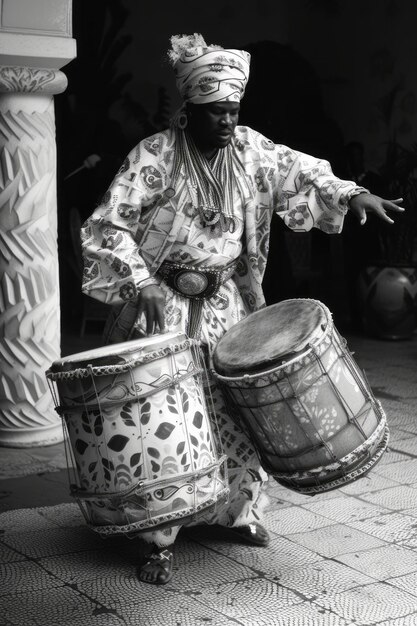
{"x": 200, "y": 196}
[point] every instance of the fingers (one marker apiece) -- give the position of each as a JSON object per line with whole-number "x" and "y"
{"x": 144, "y": 309}
{"x": 150, "y": 322}
{"x": 392, "y": 205}
{"x": 378, "y": 206}
{"x": 159, "y": 311}
{"x": 153, "y": 308}
{"x": 385, "y": 217}
{"x": 397, "y": 200}
{"x": 140, "y": 308}
{"x": 160, "y": 316}
{"x": 153, "y": 318}
{"x": 360, "y": 213}
{"x": 357, "y": 207}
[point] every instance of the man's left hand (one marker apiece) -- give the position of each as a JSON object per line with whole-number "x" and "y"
{"x": 365, "y": 203}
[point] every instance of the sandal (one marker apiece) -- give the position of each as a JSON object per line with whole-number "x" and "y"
{"x": 252, "y": 533}
{"x": 158, "y": 568}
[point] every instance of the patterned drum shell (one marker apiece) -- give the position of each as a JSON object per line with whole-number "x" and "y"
{"x": 140, "y": 433}
{"x": 312, "y": 416}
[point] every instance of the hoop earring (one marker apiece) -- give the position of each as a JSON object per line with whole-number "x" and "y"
{"x": 182, "y": 120}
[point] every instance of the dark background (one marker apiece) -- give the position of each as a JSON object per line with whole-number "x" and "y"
{"x": 324, "y": 73}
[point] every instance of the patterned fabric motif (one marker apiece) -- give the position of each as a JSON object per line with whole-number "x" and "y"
{"x": 301, "y": 189}
{"x": 208, "y": 73}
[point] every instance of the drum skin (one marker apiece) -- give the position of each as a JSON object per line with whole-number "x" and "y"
{"x": 309, "y": 411}
{"x": 139, "y": 434}
{"x": 265, "y": 338}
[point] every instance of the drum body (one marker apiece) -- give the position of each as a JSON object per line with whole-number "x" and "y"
{"x": 296, "y": 390}
{"x": 140, "y": 433}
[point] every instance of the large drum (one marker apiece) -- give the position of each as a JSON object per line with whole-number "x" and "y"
{"x": 140, "y": 434}
{"x": 296, "y": 390}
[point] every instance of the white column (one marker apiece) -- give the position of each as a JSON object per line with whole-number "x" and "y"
{"x": 31, "y": 53}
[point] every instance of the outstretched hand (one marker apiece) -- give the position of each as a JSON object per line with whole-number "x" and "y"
{"x": 151, "y": 303}
{"x": 365, "y": 203}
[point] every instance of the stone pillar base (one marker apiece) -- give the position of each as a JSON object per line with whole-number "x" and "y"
{"x": 33, "y": 438}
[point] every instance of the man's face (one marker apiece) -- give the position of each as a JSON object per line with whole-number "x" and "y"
{"x": 212, "y": 125}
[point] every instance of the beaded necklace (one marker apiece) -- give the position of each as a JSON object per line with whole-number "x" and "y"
{"x": 210, "y": 182}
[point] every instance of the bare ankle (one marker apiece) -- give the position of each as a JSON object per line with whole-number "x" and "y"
{"x": 158, "y": 567}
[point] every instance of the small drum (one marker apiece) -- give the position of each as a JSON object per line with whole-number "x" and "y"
{"x": 140, "y": 433}
{"x": 296, "y": 390}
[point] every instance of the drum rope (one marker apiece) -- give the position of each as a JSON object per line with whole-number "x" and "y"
{"x": 266, "y": 418}
{"x": 313, "y": 444}
{"x": 99, "y": 452}
{"x": 344, "y": 354}
{"x": 136, "y": 400}
{"x": 173, "y": 369}
{"x": 338, "y": 395}
{"x": 105, "y": 370}
{"x": 346, "y": 460}
{"x": 206, "y": 365}
{"x": 233, "y": 405}
{"x": 69, "y": 455}
{"x": 249, "y": 424}
{"x": 70, "y": 458}
{"x": 361, "y": 380}
{"x": 142, "y": 486}
{"x": 335, "y": 483}
{"x": 61, "y": 409}
{"x": 206, "y": 368}
{"x": 131, "y": 529}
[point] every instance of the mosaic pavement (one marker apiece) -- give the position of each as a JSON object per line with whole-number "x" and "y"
{"x": 347, "y": 558}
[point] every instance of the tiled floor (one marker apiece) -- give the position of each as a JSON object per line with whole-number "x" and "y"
{"x": 348, "y": 557}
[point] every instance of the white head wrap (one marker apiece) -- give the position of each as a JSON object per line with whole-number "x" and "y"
{"x": 208, "y": 73}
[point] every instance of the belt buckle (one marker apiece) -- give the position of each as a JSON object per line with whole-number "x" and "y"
{"x": 191, "y": 282}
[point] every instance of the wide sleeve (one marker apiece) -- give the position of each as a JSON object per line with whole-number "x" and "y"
{"x": 305, "y": 192}
{"x": 114, "y": 270}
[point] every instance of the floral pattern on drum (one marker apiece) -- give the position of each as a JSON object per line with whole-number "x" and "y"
{"x": 142, "y": 442}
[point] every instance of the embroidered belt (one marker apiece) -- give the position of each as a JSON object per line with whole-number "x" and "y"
{"x": 196, "y": 282}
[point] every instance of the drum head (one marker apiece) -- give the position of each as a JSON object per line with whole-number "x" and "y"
{"x": 265, "y": 339}
{"x": 117, "y": 353}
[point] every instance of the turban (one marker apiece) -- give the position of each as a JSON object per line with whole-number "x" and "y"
{"x": 208, "y": 73}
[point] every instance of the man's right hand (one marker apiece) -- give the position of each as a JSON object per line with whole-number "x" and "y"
{"x": 151, "y": 302}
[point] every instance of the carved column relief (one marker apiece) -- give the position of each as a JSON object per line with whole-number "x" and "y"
{"x": 29, "y": 284}
{"x": 35, "y": 42}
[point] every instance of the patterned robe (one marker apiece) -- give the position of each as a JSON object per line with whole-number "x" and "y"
{"x": 146, "y": 218}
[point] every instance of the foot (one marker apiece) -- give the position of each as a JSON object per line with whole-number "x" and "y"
{"x": 158, "y": 568}
{"x": 252, "y": 533}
